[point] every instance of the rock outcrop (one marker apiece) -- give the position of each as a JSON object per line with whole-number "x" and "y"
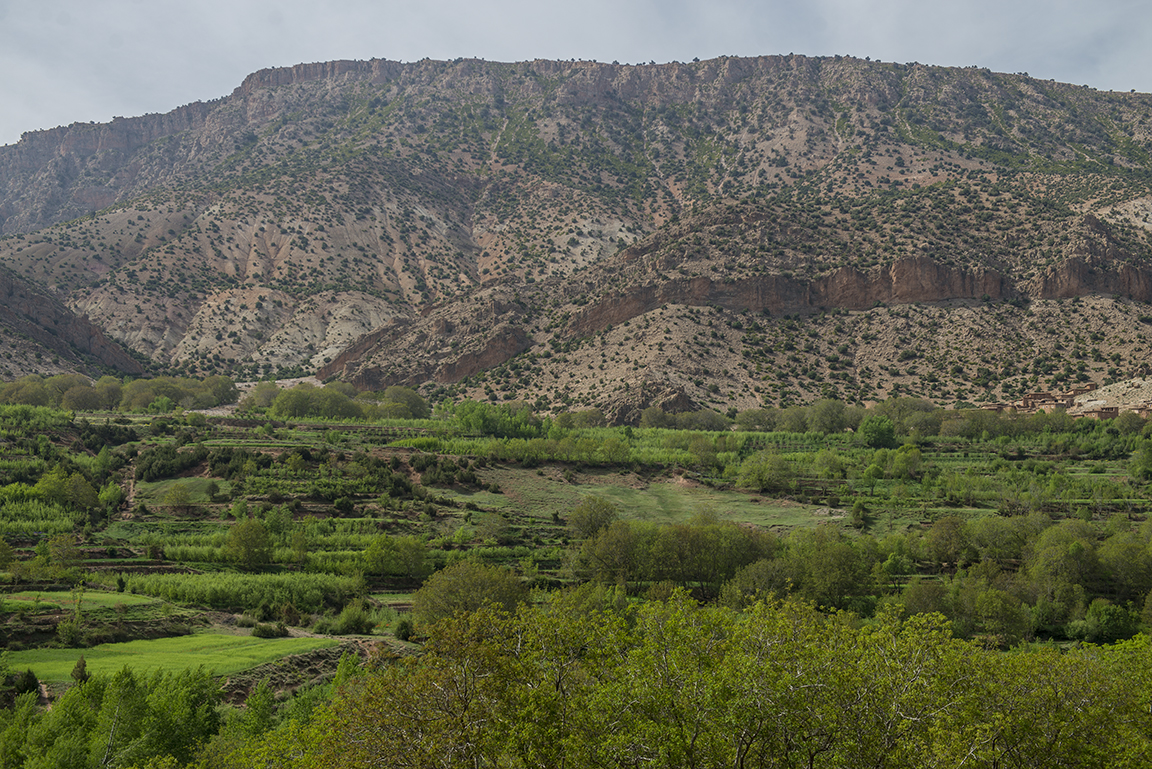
{"x": 30, "y": 311}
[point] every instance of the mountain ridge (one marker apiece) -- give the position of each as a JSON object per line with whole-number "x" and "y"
{"x": 324, "y": 216}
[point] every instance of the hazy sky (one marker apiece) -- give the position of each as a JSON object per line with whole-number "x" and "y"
{"x": 65, "y": 61}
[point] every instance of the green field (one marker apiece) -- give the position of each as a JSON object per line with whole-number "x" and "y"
{"x": 60, "y": 600}
{"x": 153, "y": 492}
{"x": 664, "y": 500}
{"x": 223, "y": 654}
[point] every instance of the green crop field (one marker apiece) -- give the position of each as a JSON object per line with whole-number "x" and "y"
{"x": 60, "y": 600}
{"x": 661, "y": 500}
{"x": 221, "y": 653}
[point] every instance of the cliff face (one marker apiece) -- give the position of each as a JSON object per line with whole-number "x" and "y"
{"x": 906, "y": 281}
{"x": 1079, "y": 277}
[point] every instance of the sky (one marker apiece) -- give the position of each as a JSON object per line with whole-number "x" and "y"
{"x": 67, "y": 61}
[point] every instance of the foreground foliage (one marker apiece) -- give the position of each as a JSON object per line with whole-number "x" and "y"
{"x": 582, "y": 681}
{"x": 123, "y": 719}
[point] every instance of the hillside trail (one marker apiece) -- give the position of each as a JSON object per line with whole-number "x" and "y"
{"x": 132, "y": 487}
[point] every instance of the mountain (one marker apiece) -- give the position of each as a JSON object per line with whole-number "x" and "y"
{"x": 43, "y": 336}
{"x": 725, "y": 233}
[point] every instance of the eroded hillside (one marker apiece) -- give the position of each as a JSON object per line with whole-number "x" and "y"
{"x": 437, "y": 222}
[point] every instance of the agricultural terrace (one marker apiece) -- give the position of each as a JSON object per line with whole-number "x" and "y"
{"x": 312, "y": 513}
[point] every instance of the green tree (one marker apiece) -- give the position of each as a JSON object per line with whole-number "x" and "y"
{"x": 381, "y": 556}
{"x": 464, "y": 587}
{"x": 296, "y": 402}
{"x": 1128, "y": 423}
{"x": 1140, "y": 467}
{"x": 178, "y": 497}
{"x": 259, "y": 710}
{"x": 109, "y": 390}
{"x": 53, "y": 486}
{"x": 222, "y": 389}
{"x": 260, "y": 397}
{"x": 827, "y": 416}
{"x": 827, "y": 567}
{"x": 80, "y": 671}
{"x": 414, "y": 406}
{"x": 878, "y": 432}
{"x": 64, "y": 552}
{"x": 947, "y": 542}
{"x": 1125, "y": 558}
{"x": 1105, "y": 622}
{"x": 592, "y": 514}
{"x": 248, "y": 545}
{"x": 412, "y": 556}
{"x": 81, "y": 398}
{"x": 765, "y": 471}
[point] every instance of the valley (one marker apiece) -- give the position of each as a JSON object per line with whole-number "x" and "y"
{"x": 712, "y": 400}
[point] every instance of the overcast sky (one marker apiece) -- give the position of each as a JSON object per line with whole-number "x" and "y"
{"x": 66, "y": 61}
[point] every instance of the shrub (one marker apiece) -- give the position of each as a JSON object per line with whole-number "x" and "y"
{"x": 355, "y": 619}
{"x": 270, "y": 630}
{"x": 405, "y": 629}
{"x": 80, "y": 671}
{"x": 26, "y": 682}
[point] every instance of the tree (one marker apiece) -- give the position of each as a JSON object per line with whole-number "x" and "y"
{"x": 591, "y": 515}
{"x": 259, "y": 710}
{"x": 261, "y": 397}
{"x": 827, "y": 567}
{"x": 1002, "y": 616}
{"x": 381, "y": 556}
{"x": 464, "y": 587}
{"x": 109, "y": 390}
{"x": 1128, "y": 423}
{"x": 81, "y": 398}
{"x": 330, "y": 402}
{"x": 654, "y": 416}
{"x": 1125, "y": 558}
{"x": 1140, "y": 468}
{"x": 178, "y": 498}
{"x": 415, "y": 406}
{"x": 64, "y": 552}
{"x": 53, "y": 486}
{"x": 826, "y": 416}
{"x": 1105, "y": 622}
{"x": 222, "y": 388}
{"x": 878, "y": 432}
{"x": 80, "y": 671}
{"x": 412, "y": 556}
{"x": 947, "y": 542}
{"x": 765, "y": 471}
{"x": 757, "y": 420}
{"x": 248, "y": 544}
{"x": 296, "y": 402}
